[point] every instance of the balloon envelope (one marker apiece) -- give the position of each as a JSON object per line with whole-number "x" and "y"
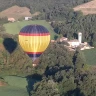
{"x": 34, "y": 39}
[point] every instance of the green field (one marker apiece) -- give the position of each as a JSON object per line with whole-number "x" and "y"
{"x": 17, "y": 86}
{"x": 90, "y": 56}
{"x": 14, "y": 28}
{"x": 13, "y": 91}
{"x": 16, "y": 81}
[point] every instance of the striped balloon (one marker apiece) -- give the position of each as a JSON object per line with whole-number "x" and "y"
{"x": 34, "y": 39}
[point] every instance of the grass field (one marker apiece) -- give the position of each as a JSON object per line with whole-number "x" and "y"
{"x": 16, "y": 81}
{"x": 14, "y": 28}
{"x": 13, "y": 91}
{"x": 17, "y": 86}
{"x": 90, "y": 56}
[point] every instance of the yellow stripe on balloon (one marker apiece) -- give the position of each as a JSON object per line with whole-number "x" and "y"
{"x": 34, "y": 43}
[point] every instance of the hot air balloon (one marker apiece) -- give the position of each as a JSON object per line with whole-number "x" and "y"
{"x": 34, "y": 39}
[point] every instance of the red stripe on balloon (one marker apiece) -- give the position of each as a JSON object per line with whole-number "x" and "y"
{"x": 34, "y": 34}
{"x": 34, "y": 52}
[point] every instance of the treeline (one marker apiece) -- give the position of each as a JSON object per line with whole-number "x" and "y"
{"x": 77, "y": 23}
{"x": 50, "y": 9}
{"x": 41, "y": 5}
{"x": 3, "y": 21}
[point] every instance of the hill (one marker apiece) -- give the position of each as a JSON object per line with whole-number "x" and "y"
{"x": 15, "y": 12}
{"x": 87, "y": 8}
{"x": 14, "y": 28}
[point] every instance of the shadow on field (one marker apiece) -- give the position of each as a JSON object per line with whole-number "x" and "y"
{"x": 32, "y": 79}
{"x": 9, "y": 44}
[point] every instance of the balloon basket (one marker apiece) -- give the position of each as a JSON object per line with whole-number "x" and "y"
{"x": 36, "y": 62}
{"x": 34, "y": 65}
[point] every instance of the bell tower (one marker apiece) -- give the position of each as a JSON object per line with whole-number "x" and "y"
{"x": 80, "y": 37}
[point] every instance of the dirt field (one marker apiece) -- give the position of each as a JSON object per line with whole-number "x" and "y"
{"x": 87, "y": 8}
{"x": 16, "y": 12}
{"x": 2, "y": 83}
{"x": 1, "y": 47}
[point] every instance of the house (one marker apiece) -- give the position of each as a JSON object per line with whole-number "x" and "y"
{"x": 28, "y": 18}
{"x": 74, "y": 43}
{"x": 63, "y": 39}
{"x": 86, "y": 47}
{"x": 52, "y": 41}
{"x": 11, "y": 19}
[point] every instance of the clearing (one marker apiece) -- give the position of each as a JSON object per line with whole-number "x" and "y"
{"x": 17, "y": 86}
{"x": 14, "y": 28}
{"x": 12, "y": 91}
{"x": 16, "y": 12}
{"x": 87, "y": 8}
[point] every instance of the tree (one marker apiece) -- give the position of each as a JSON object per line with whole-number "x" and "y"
{"x": 94, "y": 40}
{"x": 45, "y": 88}
{"x": 67, "y": 86}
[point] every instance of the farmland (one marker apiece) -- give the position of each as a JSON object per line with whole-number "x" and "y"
{"x": 16, "y": 12}
{"x": 14, "y": 28}
{"x": 87, "y": 8}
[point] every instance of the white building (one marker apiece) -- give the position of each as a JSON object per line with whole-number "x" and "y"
{"x": 28, "y": 18}
{"x": 63, "y": 39}
{"x": 86, "y": 47}
{"x": 11, "y": 19}
{"x": 74, "y": 43}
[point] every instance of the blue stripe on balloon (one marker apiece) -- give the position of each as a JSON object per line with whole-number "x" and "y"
{"x": 34, "y": 55}
{"x": 34, "y": 29}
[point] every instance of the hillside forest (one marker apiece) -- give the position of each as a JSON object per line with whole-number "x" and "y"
{"x": 61, "y": 72}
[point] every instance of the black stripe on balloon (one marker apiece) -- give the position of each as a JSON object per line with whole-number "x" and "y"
{"x": 34, "y": 29}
